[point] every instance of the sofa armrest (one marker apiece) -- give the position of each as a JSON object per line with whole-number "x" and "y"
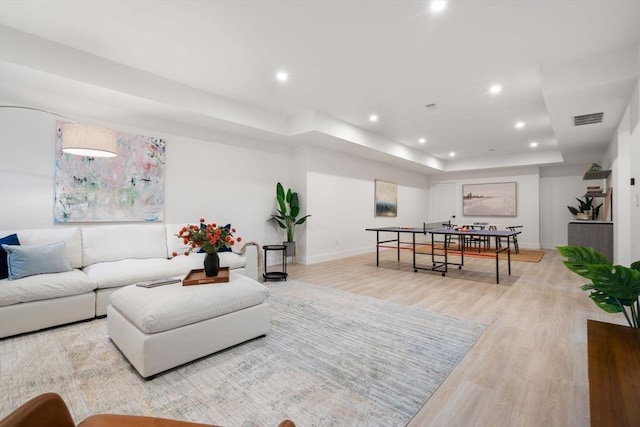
{"x": 44, "y": 410}
{"x": 253, "y": 256}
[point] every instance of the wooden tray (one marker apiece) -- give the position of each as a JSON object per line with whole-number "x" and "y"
{"x": 197, "y": 277}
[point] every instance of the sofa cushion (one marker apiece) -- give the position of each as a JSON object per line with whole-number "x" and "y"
{"x": 119, "y": 242}
{"x": 26, "y": 261}
{"x": 128, "y": 271}
{"x": 44, "y": 286}
{"x": 154, "y": 310}
{"x": 11, "y": 239}
{"x": 42, "y": 236}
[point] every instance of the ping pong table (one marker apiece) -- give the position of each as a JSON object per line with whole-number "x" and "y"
{"x": 442, "y": 251}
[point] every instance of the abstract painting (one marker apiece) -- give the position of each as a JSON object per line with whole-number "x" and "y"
{"x": 386, "y": 198}
{"x": 497, "y": 199}
{"x": 129, "y": 187}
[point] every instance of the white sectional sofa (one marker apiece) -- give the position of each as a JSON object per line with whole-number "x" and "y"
{"x": 103, "y": 259}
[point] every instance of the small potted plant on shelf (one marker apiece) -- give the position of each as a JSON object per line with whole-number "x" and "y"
{"x": 585, "y": 210}
{"x": 287, "y": 215}
{"x": 614, "y": 288}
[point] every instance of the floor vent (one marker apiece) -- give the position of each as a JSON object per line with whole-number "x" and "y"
{"x": 588, "y": 119}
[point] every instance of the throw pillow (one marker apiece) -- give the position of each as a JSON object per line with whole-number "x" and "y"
{"x": 26, "y": 261}
{"x": 11, "y": 239}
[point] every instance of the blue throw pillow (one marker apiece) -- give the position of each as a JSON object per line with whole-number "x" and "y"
{"x": 30, "y": 260}
{"x": 11, "y": 239}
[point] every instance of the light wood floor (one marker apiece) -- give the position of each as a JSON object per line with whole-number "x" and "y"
{"x": 529, "y": 367}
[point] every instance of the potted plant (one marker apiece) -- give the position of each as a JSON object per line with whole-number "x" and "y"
{"x": 585, "y": 209}
{"x": 614, "y": 288}
{"x": 287, "y": 215}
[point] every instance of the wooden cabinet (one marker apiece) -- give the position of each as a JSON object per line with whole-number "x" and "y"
{"x": 595, "y": 234}
{"x": 614, "y": 374}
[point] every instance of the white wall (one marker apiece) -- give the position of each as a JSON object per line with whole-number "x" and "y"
{"x": 634, "y": 110}
{"x": 218, "y": 181}
{"x": 340, "y": 196}
{"x": 528, "y": 207}
{"x": 623, "y": 157}
{"x": 559, "y": 188}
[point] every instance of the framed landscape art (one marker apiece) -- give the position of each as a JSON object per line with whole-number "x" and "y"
{"x": 496, "y": 199}
{"x": 386, "y": 199}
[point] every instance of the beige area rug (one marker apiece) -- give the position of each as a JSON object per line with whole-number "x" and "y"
{"x": 524, "y": 255}
{"x": 331, "y": 359}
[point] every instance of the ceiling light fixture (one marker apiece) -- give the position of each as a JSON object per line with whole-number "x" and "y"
{"x": 495, "y": 89}
{"x": 452, "y": 154}
{"x": 533, "y": 144}
{"x": 519, "y": 125}
{"x": 422, "y": 140}
{"x": 91, "y": 141}
{"x": 282, "y": 76}
{"x": 373, "y": 118}
{"x": 438, "y": 6}
{"x": 82, "y": 140}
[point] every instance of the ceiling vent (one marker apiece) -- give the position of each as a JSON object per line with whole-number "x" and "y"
{"x": 587, "y": 119}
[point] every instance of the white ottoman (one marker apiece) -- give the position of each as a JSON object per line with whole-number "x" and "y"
{"x": 166, "y": 326}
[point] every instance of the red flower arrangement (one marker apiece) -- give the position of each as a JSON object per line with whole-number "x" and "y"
{"x": 210, "y": 237}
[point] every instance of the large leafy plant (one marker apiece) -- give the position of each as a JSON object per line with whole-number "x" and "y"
{"x": 288, "y": 211}
{"x": 613, "y": 288}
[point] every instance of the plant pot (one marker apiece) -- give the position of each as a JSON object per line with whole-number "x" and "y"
{"x": 290, "y": 248}
{"x": 211, "y": 264}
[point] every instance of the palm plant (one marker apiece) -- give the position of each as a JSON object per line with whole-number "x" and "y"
{"x": 613, "y": 288}
{"x": 288, "y": 211}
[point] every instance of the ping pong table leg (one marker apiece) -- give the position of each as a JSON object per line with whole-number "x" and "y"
{"x": 509, "y": 256}
{"x": 377, "y": 249}
{"x": 398, "y": 244}
{"x": 415, "y": 270}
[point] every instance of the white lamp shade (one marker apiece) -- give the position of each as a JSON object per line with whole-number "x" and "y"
{"x": 90, "y": 141}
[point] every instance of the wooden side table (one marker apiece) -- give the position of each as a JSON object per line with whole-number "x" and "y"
{"x": 275, "y": 275}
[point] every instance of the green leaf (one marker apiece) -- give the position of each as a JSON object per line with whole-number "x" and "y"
{"x": 605, "y": 302}
{"x": 616, "y": 281}
{"x": 302, "y": 220}
{"x": 635, "y": 266}
{"x": 573, "y": 210}
{"x": 578, "y": 257}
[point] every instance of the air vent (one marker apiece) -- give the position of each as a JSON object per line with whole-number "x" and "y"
{"x": 588, "y": 119}
{"x": 431, "y": 106}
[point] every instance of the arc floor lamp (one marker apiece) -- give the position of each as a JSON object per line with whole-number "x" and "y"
{"x": 82, "y": 140}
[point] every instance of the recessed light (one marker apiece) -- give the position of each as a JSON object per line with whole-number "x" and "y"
{"x": 282, "y": 76}
{"x": 438, "y": 5}
{"x": 422, "y": 140}
{"x": 452, "y": 154}
{"x": 373, "y": 118}
{"x": 519, "y": 125}
{"x": 492, "y": 149}
{"x": 495, "y": 89}
{"x": 533, "y": 144}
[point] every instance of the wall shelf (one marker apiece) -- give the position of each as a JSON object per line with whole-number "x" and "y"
{"x": 601, "y": 174}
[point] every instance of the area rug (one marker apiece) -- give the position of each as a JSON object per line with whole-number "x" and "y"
{"x": 524, "y": 255}
{"x": 331, "y": 359}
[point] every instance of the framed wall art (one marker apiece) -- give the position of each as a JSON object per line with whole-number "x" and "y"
{"x": 496, "y": 199}
{"x": 129, "y": 187}
{"x": 386, "y": 198}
